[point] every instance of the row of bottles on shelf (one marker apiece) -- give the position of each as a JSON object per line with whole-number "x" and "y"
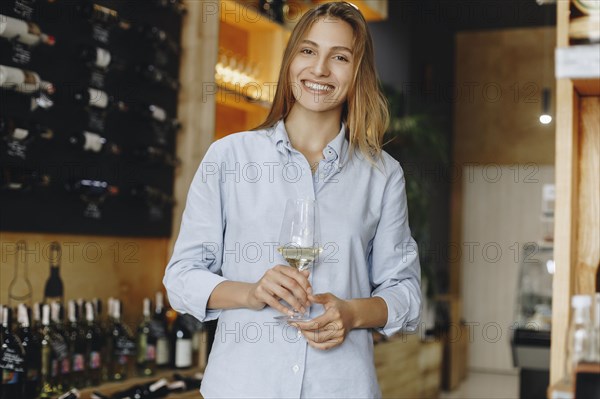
{"x": 104, "y": 23}
{"x": 20, "y": 136}
{"x": 92, "y": 192}
{"x": 47, "y": 355}
{"x": 583, "y": 346}
{"x": 45, "y": 95}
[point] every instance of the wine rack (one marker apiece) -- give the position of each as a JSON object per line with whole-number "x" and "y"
{"x": 88, "y": 131}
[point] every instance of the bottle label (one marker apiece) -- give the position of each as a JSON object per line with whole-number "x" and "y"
{"x": 78, "y": 362}
{"x": 95, "y": 360}
{"x": 32, "y": 374}
{"x": 59, "y": 346}
{"x": 157, "y": 329}
{"x": 122, "y": 359}
{"x": 65, "y": 366}
{"x": 98, "y": 98}
{"x": 11, "y": 360}
{"x": 124, "y": 346}
{"x": 100, "y": 34}
{"x": 93, "y": 142}
{"x": 102, "y": 57}
{"x": 162, "y": 352}
{"x": 151, "y": 352}
{"x": 54, "y": 368}
{"x": 9, "y": 377}
{"x": 183, "y": 353}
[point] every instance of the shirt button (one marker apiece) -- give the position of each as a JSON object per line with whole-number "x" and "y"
{"x": 296, "y": 368}
{"x": 299, "y": 333}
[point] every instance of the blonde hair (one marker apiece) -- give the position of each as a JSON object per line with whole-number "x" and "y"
{"x": 365, "y": 112}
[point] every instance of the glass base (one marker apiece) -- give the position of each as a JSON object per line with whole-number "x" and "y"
{"x": 295, "y": 317}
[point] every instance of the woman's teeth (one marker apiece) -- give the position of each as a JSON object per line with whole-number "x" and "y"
{"x": 317, "y": 86}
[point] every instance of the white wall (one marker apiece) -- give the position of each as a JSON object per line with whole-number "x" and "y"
{"x": 501, "y": 212}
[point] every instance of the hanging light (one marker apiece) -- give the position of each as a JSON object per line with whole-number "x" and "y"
{"x": 545, "y": 117}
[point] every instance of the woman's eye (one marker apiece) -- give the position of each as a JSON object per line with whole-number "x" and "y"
{"x": 306, "y": 51}
{"x": 341, "y": 58}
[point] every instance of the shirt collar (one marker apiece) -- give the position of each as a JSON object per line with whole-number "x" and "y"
{"x": 331, "y": 152}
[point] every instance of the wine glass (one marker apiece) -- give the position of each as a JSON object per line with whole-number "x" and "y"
{"x": 299, "y": 240}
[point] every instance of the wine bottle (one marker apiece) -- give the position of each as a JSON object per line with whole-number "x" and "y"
{"x": 171, "y": 5}
{"x": 108, "y": 349}
{"x": 123, "y": 346}
{"x": 181, "y": 344}
{"x": 77, "y": 347}
{"x": 53, "y": 290}
{"x": 19, "y": 289}
{"x": 31, "y": 341}
{"x": 96, "y": 98}
{"x": 159, "y": 329}
{"x": 49, "y": 372}
{"x": 155, "y": 200}
{"x": 94, "y": 348}
{"x": 60, "y": 344}
{"x": 22, "y": 80}
{"x": 93, "y": 142}
{"x": 193, "y": 382}
{"x": 154, "y": 74}
{"x": 156, "y": 389}
{"x": 23, "y": 181}
{"x": 146, "y": 343}
{"x": 156, "y": 37}
{"x": 20, "y": 135}
{"x": 24, "y": 32}
{"x": 93, "y": 193}
{"x": 154, "y": 155}
{"x": 101, "y": 58}
{"x": 12, "y": 360}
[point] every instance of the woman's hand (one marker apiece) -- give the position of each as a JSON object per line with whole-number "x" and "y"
{"x": 331, "y": 328}
{"x": 281, "y": 282}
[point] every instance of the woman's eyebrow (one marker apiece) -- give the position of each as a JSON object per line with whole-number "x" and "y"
{"x": 334, "y": 48}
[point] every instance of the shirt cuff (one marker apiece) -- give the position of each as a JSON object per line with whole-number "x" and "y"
{"x": 398, "y": 310}
{"x": 197, "y": 291}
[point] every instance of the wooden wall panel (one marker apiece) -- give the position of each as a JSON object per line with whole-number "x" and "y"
{"x": 91, "y": 266}
{"x": 499, "y": 80}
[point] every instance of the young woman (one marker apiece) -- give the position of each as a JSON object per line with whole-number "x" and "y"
{"x": 322, "y": 141}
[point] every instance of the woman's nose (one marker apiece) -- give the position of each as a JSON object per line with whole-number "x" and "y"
{"x": 321, "y": 67}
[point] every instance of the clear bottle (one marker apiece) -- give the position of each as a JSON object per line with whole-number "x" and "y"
{"x": 578, "y": 344}
{"x": 146, "y": 343}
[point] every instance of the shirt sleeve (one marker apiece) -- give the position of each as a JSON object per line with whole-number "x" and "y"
{"x": 395, "y": 267}
{"x": 194, "y": 269}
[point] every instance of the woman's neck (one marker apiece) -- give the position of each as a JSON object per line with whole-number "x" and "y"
{"x": 312, "y": 131}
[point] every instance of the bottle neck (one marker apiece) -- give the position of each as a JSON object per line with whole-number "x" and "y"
{"x": 581, "y": 315}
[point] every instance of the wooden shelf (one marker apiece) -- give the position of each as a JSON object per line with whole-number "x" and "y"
{"x": 110, "y": 388}
{"x": 228, "y": 98}
{"x": 581, "y": 64}
{"x": 246, "y": 17}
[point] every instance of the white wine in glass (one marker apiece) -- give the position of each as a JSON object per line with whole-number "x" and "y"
{"x": 299, "y": 239}
{"x": 299, "y": 257}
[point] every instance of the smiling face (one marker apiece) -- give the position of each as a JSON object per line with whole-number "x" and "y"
{"x": 321, "y": 71}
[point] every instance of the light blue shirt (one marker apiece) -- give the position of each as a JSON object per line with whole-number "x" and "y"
{"x": 229, "y": 231}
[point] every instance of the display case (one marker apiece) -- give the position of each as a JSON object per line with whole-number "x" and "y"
{"x": 531, "y": 335}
